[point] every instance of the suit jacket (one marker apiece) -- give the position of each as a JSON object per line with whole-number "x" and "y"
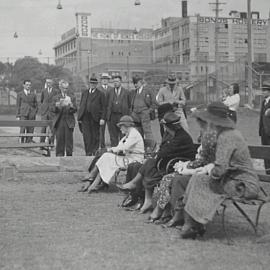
{"x": 46, "y": 100}
{"x": 124, "y": 100}
{"x": 149, "y": 98}
{"x": 98, "y": 105}
{"x": 65, "y": 113}
{"x": 27, "y": 105}
{"x": 264, "y": 124}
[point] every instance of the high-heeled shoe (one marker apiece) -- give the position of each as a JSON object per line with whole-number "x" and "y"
{"x": 84, "y": 188}
{"x": 101, "y": 187}
{"x": 162, "y": 220}
{"x": 124, "y": 189}
{"x": 89, "y": 179}
{"x": 192, "y": 233}
{"x": 173, "y": 223}
{"x": 152, "y": 219}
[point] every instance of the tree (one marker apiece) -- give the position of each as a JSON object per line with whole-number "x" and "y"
{"x": 155, "y": 78}
{"x": 31, "y": 68}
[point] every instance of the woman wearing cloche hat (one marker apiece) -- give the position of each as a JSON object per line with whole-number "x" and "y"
{"x": 130, "y": 149}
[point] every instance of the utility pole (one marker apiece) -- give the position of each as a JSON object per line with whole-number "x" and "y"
{"x": 249, "y": 56}
{"x": 217, "y": 9}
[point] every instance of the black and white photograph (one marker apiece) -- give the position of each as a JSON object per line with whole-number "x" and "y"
{"x": 134, "y": 134}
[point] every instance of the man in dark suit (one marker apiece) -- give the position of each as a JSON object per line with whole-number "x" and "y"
{"x": 118, "y": 105}
{"x": 91, "y": 116}
{"x": 264, "y": 124}
{"x": 64, "y": 107}
{"x": 46, "y": 100}
{"x": 143, "y": 106}
{"x": 27, "y": 107}
{"x": 105, "y": 88}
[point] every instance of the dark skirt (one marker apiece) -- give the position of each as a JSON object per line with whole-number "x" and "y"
{"x": 151, "y": 175}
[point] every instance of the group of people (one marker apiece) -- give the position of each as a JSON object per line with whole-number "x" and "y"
{"x": 100, "y": 105}
{"x": 191, "y": 195}
{"x": 201, "y": 180}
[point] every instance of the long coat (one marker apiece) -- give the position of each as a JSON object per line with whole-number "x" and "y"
{"x": 179, "y": 145}
{"x": 124, "y": 100}
{"x": 97, "y": 108}
{"x": 65, "y": 113}
{"x": 264, "y": 124}
{"x": 27, "y": 105}
{"x": 46, "y": 101}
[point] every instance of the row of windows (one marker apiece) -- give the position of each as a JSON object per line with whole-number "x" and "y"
{"x": 66, "y": 48}
{"x": 120, "y": 53}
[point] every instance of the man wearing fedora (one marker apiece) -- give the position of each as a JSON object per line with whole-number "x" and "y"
{"x": 264, "y": 124}
{"x": 105, "y": 88}
{"x": 91, "y": 115}
{"x": 46, "y": 101}
{"x": 173, "y": 94}
{"x": 118, "y": 105}
{"x": 143, "y": 106}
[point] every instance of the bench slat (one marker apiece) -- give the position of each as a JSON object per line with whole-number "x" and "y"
{"x": 25, "y": 123}
{"x": 259, "y": 152}
{"x": 25, "y": 145}
{"x": 26, "y": 135}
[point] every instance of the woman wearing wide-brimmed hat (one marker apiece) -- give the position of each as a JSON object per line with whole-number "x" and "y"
{"x": 130, "y": 149}
{"x": 232, "y": 173}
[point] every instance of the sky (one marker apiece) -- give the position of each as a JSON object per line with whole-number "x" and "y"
{"x": 39, "y": 24}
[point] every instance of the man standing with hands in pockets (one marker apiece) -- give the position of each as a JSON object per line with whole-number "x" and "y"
{"x": 91, "y": 115}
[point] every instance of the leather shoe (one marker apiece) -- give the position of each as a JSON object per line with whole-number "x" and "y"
{"x": 135, "y": 207}
{"x": 123, "y": 189}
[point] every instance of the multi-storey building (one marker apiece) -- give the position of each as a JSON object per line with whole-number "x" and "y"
{"x": 86, "y": 50}
{"x": 191, "y": 41}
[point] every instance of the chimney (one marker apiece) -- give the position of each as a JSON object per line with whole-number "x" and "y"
{"x": 184, "y": 8}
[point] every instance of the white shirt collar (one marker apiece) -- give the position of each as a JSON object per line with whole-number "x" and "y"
{"x": 26, "y": 92}
{"x": 140, "y": 89}
{"x": 267, "y": 99}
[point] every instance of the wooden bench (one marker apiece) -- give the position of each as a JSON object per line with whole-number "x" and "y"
{"x": 256, "y": 152}
{"x": 47, "y": 145}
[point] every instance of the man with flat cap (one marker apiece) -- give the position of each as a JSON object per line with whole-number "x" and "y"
{"x": 264, "y": 124}
{"x": 143, "y": 106}
{"x": 91, "y": 115}
{"x": 105, "y": 88}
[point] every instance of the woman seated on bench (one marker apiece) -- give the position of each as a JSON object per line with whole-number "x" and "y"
{"x": 173, "y": 185}
{"x": 129, "y": 149}
{"x": 231, "y": 175}
{"x": 176, "y": 142}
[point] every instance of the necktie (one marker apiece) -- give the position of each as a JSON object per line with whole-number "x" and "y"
{"x": 49, "y": 90}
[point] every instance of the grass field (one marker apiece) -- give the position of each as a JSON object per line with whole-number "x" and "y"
{"x": 46, "y": 224}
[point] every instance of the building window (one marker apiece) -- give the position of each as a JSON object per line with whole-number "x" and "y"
{"x": 112, "y": 53}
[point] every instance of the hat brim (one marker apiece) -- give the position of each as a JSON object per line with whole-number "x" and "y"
{"x": 214, "y": 119}
{"x": 126, "y": 124}
{"x": 171, "y": 82}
